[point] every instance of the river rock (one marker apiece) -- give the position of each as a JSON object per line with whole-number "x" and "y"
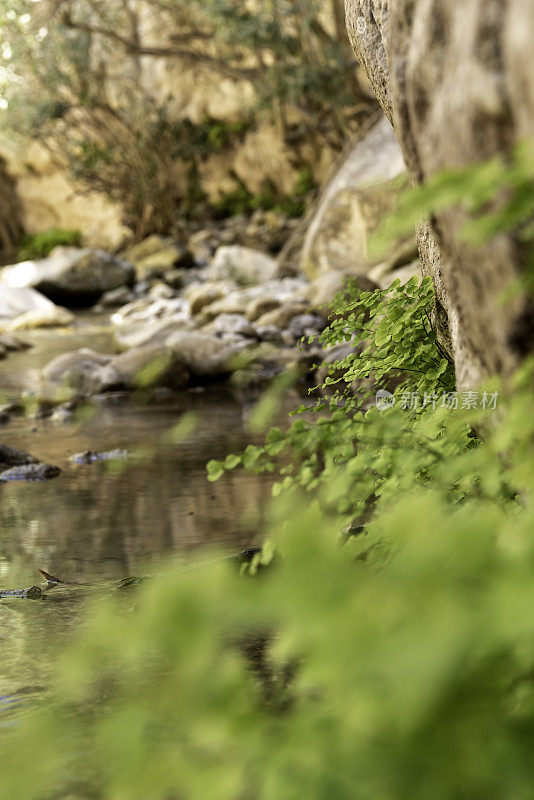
{"x": 242, "y": 265}
{"x": 148, "y": 333}
{"x": 15, "y": 301}
{"x": 11, "y": 343}
{"x": 141, "y": 367}
{"x": 284, "y": 291}
{"x": 42, "y": 318}
{"x": 9, "y": 457}
{"x": 205, "y": 294}
{"x": 30, "y": 472}
{"x": 147, "y": 311}
{"x": 205, "y": 355}
{"x": 95, "y": 456}
{"x": 75, "y": 369}
{"x": 115, "y": 298}
{"x": 70, "y": 275}
{"x": 180, "y": 277}
{"x": 281, "y": 317}
{"x": 305, "y": 325}
{"x": 233, "y": 324}
{"x": 261, "y": 305}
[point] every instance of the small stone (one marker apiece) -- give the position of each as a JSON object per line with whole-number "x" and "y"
{"x": 261, "y": 305}
{"x": 115, "y": 297}
{"x": 231, "y": 324}
{"x": 46, "y": 318}
{"x": 242, "y": 265}
{"x": 281, "y": 317}
{"x": 205, "y": 294}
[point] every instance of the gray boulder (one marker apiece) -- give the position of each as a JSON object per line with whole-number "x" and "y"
{"x": 205, "y": 355}
{"x": 242, "y": 265}
{"x": 75, "y": 369}
{"x": 71, "y": 276}
{"x": 140, "y": 368}
{"x": 361, "y": 193}
{"x": 233, "y": 324}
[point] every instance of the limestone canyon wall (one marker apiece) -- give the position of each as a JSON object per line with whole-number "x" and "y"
{"x": 456, "y": 80}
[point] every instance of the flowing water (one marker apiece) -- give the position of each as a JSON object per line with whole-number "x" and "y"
{"x": 109, "y": 520}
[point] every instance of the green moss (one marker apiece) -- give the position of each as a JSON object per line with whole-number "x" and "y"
{"x": 40, "y": 245}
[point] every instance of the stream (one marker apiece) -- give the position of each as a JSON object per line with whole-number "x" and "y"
{"x": 109, "y": 520}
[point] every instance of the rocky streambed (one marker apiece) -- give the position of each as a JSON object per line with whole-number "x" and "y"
{"x": 234, "y": 318}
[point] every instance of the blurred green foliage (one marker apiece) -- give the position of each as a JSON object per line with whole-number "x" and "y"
{"x": 242, "y": 201}
{"x": 40, "y": 245}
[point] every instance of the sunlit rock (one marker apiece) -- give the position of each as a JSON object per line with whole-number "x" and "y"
{"x": 70, "y": 275}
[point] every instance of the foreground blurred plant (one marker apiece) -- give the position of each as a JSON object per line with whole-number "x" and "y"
{"x": 395, "y": 662}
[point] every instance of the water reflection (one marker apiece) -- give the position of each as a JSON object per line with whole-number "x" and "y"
{"x": 93, "y": 523}
{"x": 96, "y": 521}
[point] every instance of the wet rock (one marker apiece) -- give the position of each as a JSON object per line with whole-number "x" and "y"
{"x": 230, "y": 324}
{"x": 244, "y": 266}
{"x": 17, "y": 300}
{"x": 72, "y": 276}
{"x": 42, "y": 318}
{"x": 30, "y": 472}
{"x": 147, "y": 309}
{"x": 9, "y": 457}
{"x": 75, "y": 369}
{"x": 148, "y": 333}
{"x": 92, "y": 457}
{"x": 12, "y": 343}
{"x": 282, "y": 316}
{"x": 140, "y": 368}
{"x": 204, "y": 354}
{"x": 115, "y": 297}
{"x": 305, "y": 325}
{"x": 284, "y": 291}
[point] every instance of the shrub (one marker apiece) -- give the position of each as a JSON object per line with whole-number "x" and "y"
{"x": 40, "y": 245}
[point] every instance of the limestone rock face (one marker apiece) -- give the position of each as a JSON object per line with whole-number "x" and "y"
{"x": 457, "y": 81}
{"x": 48, "y": 199}
{"x": 71, "y": 275}
{"x": 359, "y": 195}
